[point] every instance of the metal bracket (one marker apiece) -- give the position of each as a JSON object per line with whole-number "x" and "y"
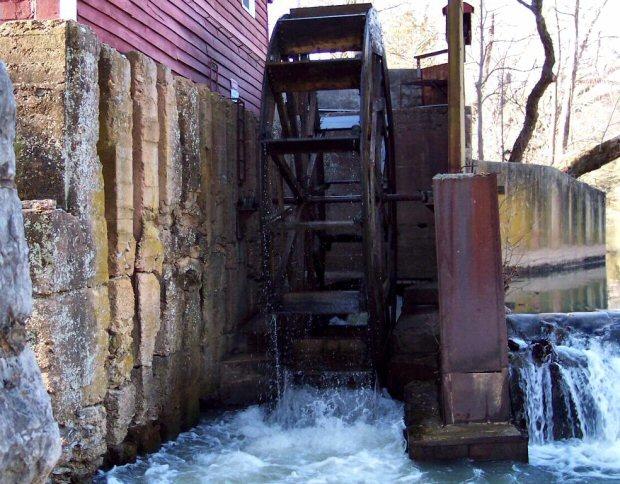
{"x": 241, "y": 158}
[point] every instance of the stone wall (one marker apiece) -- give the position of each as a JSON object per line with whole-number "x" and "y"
{"x": 29, "y": 438}
{"x": 548, "y": 219}
{"x": 144, "y": 269}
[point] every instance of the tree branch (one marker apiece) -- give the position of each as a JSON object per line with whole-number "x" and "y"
{"x": 546, "y": 78}
{"x": 594, "y": 158}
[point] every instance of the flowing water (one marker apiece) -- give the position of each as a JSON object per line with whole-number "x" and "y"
{"x": 569, "y": 380}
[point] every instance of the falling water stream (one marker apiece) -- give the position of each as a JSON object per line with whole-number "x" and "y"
{"x": 569, "y": 380}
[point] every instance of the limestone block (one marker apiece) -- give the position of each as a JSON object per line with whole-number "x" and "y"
{"x": 149, "y": 312}
{"x": 228, "y": 173}
{"x": 97, "y": 380}
{"x": 206, "y": 146}
{"x": 180, "y": 384}
{"x": 29, "y": 437}
{"x": 145, "y": 139}
{"x": 192, "y": 320}
{"x": 115, "y": 151}
{"x": 189, "y": 125}
{"x": 170, "y": 335}
{"x": 150, "y": 253}
{"x": 84, "y": 445}
{"x": 169, "y": 145}
{"x": 85, "y": 188}
{"x": 35, "y": 53}
{"x": 169, "y": 376}
{"x": 61, "y": 253}
{"x": 214, "y": 294}
{"x": 122, "y": 312}
{"x": 147, "y": 400}
{"x": 69, "y": 335}
{"x": 120, "y": 408}
{"x": 55, "y": 69}
{"x": 219, "y": 223}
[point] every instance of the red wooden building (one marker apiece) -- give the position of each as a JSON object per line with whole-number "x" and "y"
{"x": 222, "y": 42}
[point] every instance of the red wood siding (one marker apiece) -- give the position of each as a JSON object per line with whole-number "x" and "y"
{"x": 187, "y": 35}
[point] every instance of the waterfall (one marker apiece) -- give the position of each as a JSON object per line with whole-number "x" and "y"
{"x": 566, "y": 381}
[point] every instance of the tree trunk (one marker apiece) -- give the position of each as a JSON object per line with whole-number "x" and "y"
{"x": 546, "y": 78}
{"x": 596, "y": 157}
{"x": 573, "y": 82}
{"x": 557, "y": 106}
{"x": 481, "y": 60}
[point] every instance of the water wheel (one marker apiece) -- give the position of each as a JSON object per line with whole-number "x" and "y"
{"x": 328, "y": 227}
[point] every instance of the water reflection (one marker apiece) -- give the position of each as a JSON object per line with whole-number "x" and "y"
{"x": 565, "y": 291}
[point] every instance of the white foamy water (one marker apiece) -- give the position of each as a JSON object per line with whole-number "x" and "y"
{"x": 327, "y": 436}
{"x": 573, "y": 405}
{"x": 356, "y": 436}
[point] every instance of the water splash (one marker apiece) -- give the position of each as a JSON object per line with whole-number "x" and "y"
{"x": 570, "y": 383}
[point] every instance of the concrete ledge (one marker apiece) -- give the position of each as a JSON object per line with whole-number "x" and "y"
{"x": 477, "y": 441}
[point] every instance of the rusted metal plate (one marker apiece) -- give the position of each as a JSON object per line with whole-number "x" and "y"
{"x": 475, "y": 397}
{"x": 469, "y": 262}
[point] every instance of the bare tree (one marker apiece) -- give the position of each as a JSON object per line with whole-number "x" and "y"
{"x": 546, "y": 78}
{"x": 557, "y": 105}
{"x": 483, "y": 61}
{"x": 578, "y": 50}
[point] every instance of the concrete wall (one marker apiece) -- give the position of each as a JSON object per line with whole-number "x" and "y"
{"x": 29, "y": 437}
{"x": 145, "y": 275}
{"x": 548, "y": 219}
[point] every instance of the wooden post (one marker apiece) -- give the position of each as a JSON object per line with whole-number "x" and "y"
{"x": 456, "y": 94}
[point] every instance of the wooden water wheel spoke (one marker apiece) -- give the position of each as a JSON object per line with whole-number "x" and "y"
{"x": 299, "y": 155}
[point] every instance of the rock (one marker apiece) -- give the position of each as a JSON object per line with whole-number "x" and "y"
{"x": 29, "y": 437}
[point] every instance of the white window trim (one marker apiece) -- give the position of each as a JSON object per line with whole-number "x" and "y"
{"x": 252, "y": 9}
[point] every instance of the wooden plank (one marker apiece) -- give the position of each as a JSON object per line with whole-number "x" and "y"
{"x": 312, "y": 145}
{"x": 320, "y": 225}
{"x": 339, "y": 33}
{"x": 456, "y": 92}
{"x": 288, "y": 176}
{"x": 323, "y": 302}
{"x": 318, "y": 75}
